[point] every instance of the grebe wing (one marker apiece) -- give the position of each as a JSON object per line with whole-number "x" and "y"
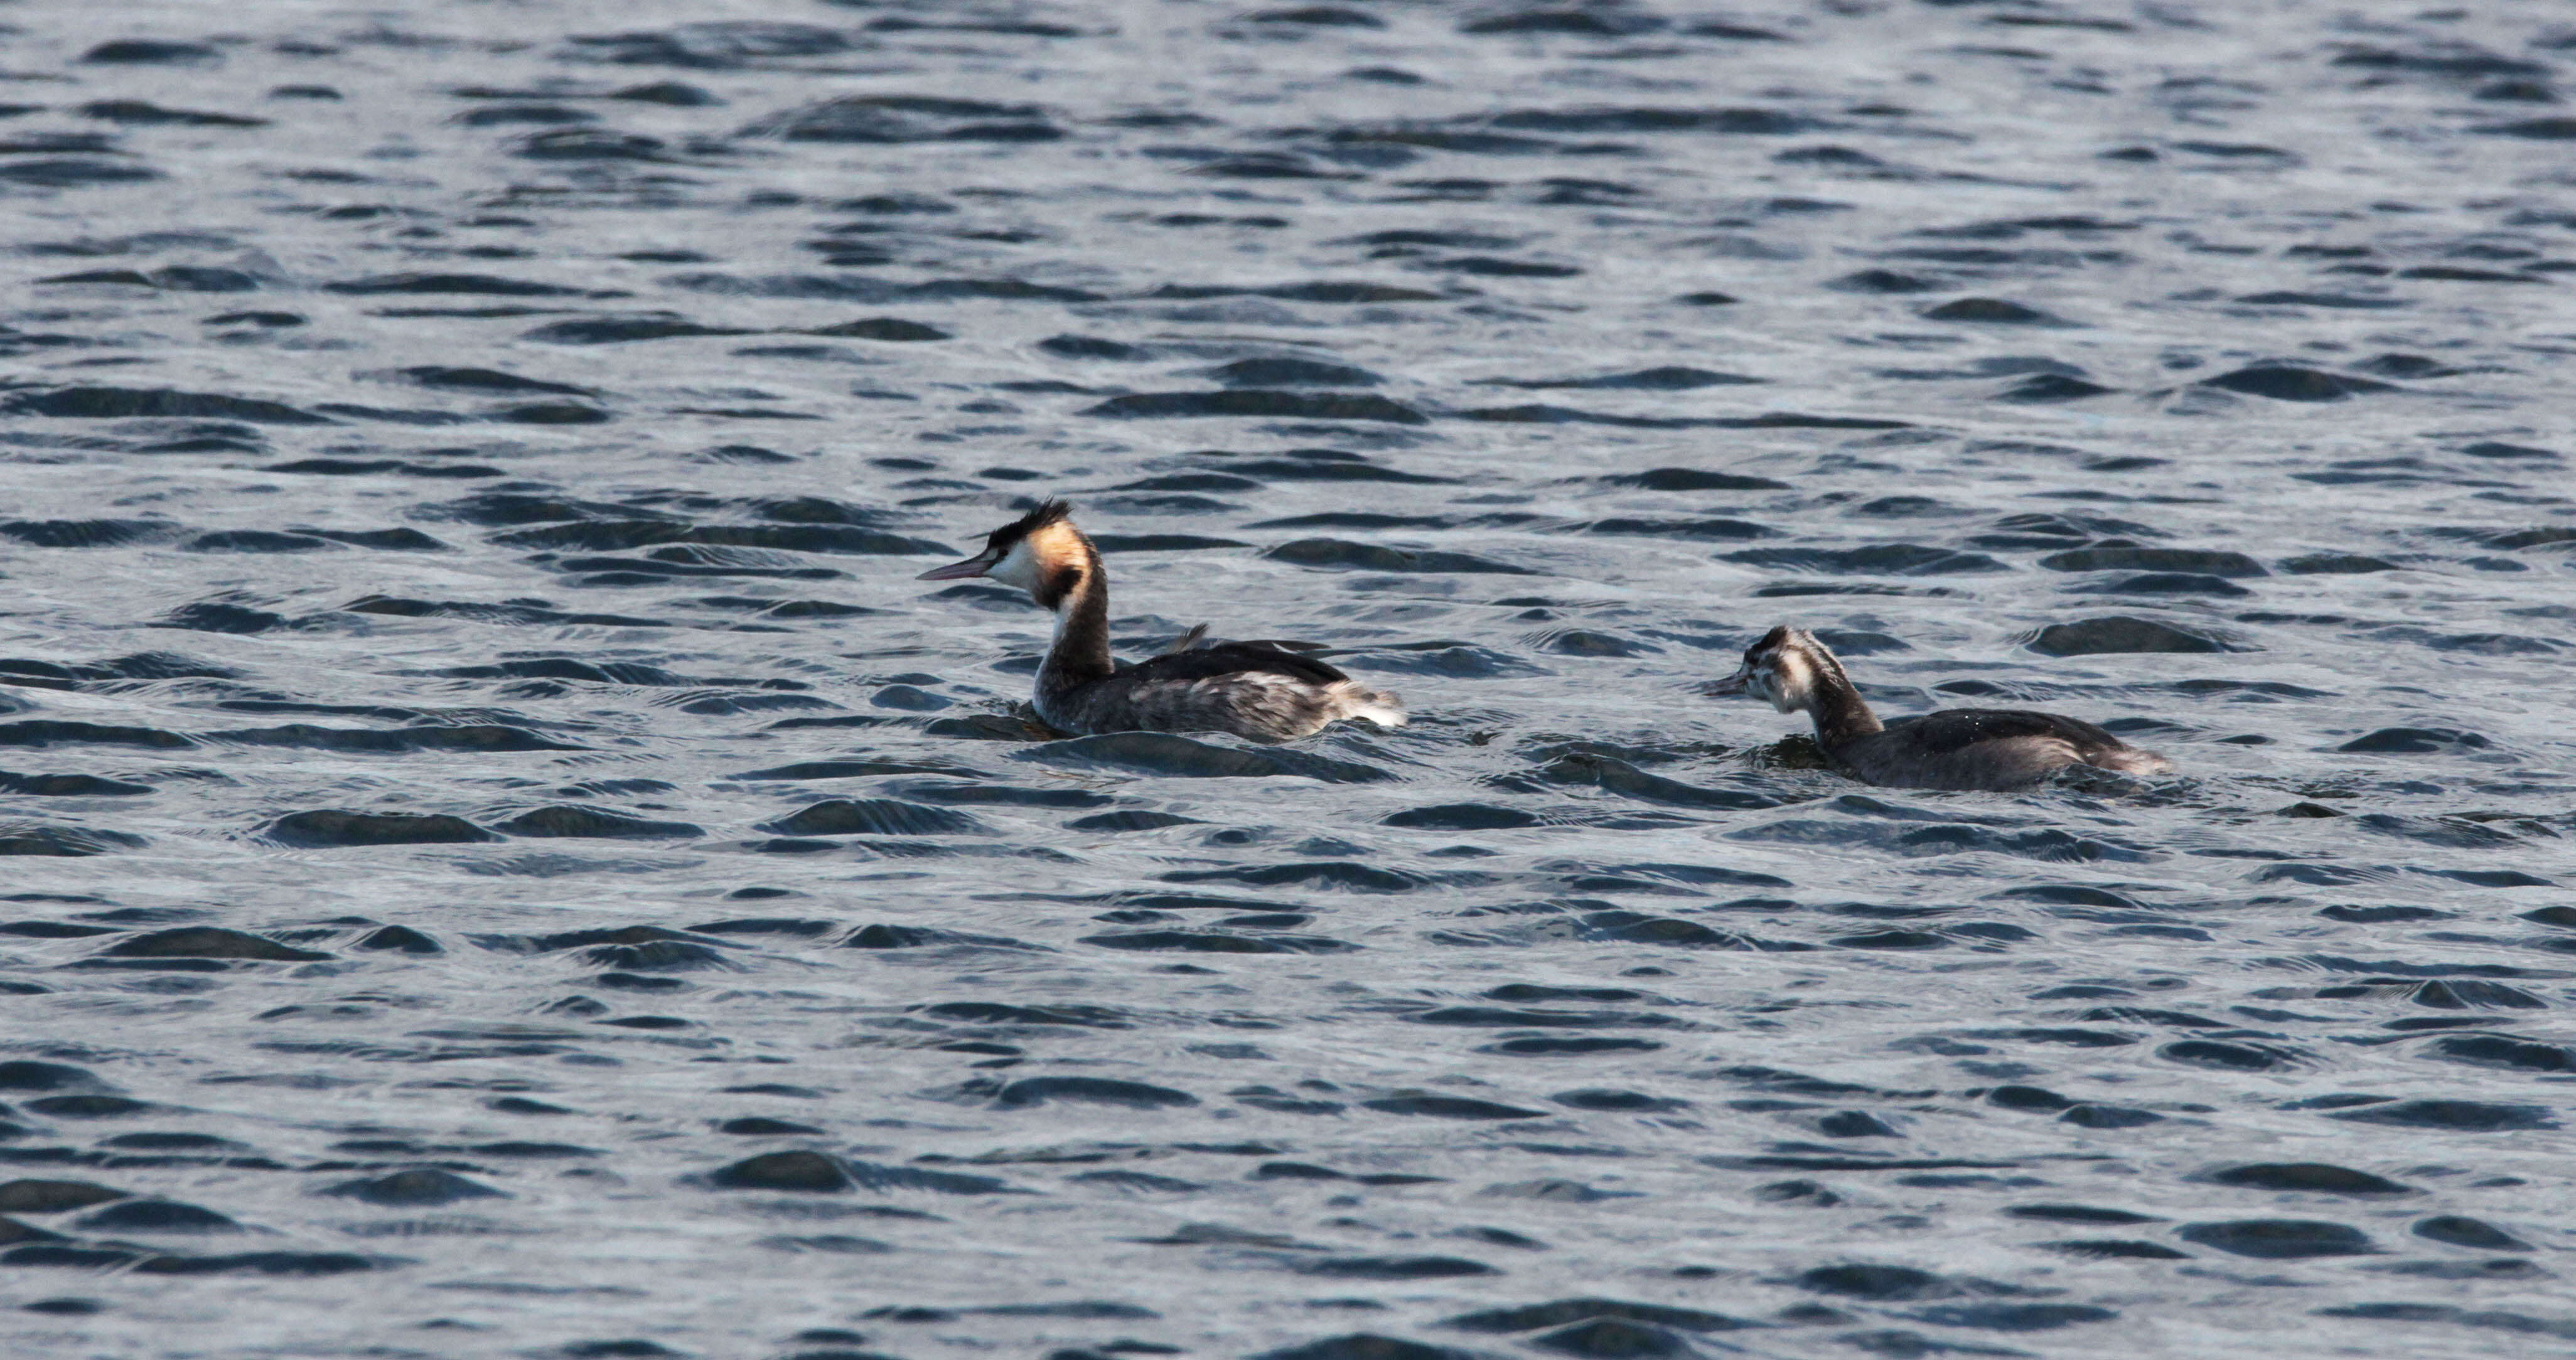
{"x": 1231, "y": 658}
{"x": 1186, "y": 641}
{"x": 1956, "y": 729}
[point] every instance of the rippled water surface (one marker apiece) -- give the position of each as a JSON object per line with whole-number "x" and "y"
{"x": 509, "y": 862}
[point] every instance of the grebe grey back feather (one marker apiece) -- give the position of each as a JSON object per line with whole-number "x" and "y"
{"x": 1251, "y": 689}
{"x": 1955, "y": 748}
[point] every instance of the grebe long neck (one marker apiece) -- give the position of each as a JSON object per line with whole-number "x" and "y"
{"x": 1080, "y": 600}
{"x": 1834, "y": 702}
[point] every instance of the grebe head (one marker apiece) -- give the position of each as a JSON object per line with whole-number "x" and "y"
{"x": 1040, "y": 552}
{"x": 1783, "y": 669}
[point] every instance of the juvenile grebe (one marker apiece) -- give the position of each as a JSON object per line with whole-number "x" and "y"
{"x": 1955, "y": 748}
{"x": 1251, "y": 689}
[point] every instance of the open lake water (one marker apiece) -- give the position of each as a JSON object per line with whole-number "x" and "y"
{"x": 508, "y": 861}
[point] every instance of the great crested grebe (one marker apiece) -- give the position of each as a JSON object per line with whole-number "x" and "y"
{"x": 1955, "y": 748}
{"x": 1251, "y": 689}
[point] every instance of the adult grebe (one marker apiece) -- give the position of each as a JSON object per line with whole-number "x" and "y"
{"x": 1956, "y": 748}
{"x": 1251, "y": 689}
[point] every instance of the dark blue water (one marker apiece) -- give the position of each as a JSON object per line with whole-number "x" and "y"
{"x": 508, "y": 862}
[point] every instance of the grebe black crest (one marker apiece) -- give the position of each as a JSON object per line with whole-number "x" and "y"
{"x": 1955, "y": 748}
{"x": 1251, "y": 689}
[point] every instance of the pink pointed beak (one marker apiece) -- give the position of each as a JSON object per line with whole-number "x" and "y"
{"x": 958, "y": 571}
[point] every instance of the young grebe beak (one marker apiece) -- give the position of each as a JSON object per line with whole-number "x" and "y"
{"x": 977, "y": 565}
{"x": 1731, "y": 685}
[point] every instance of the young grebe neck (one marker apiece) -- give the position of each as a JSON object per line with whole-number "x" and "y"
{"x": 1812, "y": 678}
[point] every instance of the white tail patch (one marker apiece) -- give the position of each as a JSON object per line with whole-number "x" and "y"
{"x": 1351, "y": 699}
{"x": 2131, "y": 760}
